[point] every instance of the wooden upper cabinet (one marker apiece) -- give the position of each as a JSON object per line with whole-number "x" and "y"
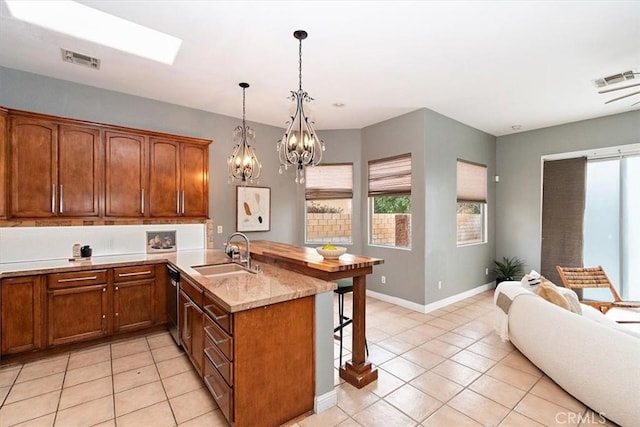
{"x": 178, "y": 176}
{"x": 78, "y": 171}
{"x": 125, "y": 174}
{"x": 164, "y": 178}
{"x": 33, "y": 153}
{"x": 195, "y": 180}
{"x": 4, "y": 151}
{"x": 52, "y": 167}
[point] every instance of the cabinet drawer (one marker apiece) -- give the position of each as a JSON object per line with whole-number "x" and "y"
{"x": 194, "y": 292}
{"x": 139, "y": 272}
{"x": 219, "y": 361}
{"x": 218, "y": 314}
{"x": 219, "y": 337}
{"x": 77, "y": 278}
{"x": 222, "y": 393}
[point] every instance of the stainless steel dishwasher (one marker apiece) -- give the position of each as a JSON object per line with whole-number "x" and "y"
{"x": 173, "y": 299}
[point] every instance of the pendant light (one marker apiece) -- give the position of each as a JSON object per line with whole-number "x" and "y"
{"x": 300, "y": 146}
{"x": 243, "y": 163}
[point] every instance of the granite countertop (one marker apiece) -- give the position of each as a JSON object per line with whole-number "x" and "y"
{"x": 235, "y": 293}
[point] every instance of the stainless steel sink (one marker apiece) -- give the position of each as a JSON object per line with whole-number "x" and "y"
{"x": 222, "y": 270}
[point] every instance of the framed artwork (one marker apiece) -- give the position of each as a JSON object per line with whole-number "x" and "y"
{"x": 161, "y": 241}
{"x": 253, "y": 208}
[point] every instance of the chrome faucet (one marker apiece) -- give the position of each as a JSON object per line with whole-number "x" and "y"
{"x": 234, "y": 253}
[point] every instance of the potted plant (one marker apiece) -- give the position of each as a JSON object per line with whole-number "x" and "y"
{"x": 508, "y": 269}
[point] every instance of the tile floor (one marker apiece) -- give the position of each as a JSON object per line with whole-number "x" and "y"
{"x": 445, "y": 368}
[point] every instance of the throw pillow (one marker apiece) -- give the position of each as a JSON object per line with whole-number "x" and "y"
{"x": 551, "y": 293}
{"x": 572, "y": 300}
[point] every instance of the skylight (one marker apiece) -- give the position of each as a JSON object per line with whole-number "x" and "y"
{"x": 90, "y": 24}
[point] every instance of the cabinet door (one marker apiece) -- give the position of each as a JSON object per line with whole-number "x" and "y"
{"x": 78, "y": 171}
{"x": 192, "y": 331}
{"x": 125, "y": 174}
{"x": 22, "y": 313}
{"x": 195, "y": 180}
{"x": 76, "y": 314}
{"x": 33, "y": 172}
{"x": 197, "y": 338}
{"x": 4, "y": 150}
{"x": 134, "y": 306}
{"x": 164, "y": 178}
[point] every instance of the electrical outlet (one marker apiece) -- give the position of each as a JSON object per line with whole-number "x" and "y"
{"x": 439, "y": 284}
{"x": 486, "y": 271}
{"x": 219, "y": 229}
{"x": 383, "y": 279}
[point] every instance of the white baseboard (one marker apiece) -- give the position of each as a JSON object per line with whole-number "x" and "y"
{"x": 325, "y": 401}
{"x": 422, "y": 308}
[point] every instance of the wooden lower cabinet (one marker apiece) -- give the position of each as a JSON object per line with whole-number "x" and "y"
{"x": 22, "y": 308}
{"x": 77, "y": 306}
{"x": 134, "y": 298}
{"x": 47, "y": 310}
{"x": 259, "y": 363}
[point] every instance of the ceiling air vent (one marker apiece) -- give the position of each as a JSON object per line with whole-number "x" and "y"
{"x": 80, "y": 59}
{"x": 615, "y": 78}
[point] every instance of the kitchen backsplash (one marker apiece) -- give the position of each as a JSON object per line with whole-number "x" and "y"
{"x": 18, "y": 244}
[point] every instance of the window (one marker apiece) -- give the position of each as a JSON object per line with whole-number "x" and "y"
{"x": 328, "y": 194}
{"x": 472, "y": 201}
{"x": 390, "y": 202}
{"x": 612, "y": 224}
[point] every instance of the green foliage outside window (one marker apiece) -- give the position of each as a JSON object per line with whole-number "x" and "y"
{"x": 313, "y": 207}
{"x": 468, "y": 208}
{"x": 392, "y": 204}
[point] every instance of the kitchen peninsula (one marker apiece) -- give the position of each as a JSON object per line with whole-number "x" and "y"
{"x": 253, "y": 338}
{"x": 249, "y": 336}
{"x": 357, "y": 372}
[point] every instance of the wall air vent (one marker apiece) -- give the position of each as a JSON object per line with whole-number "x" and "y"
{"x": 80, "y": 59}
{"x": 615, "y": 78}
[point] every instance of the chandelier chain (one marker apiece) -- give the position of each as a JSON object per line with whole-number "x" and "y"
{"x": 300, "y": 66}
{"x": 243, "y": 107}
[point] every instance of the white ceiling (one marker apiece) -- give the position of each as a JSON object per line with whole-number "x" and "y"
{"x": 490, "y": 65}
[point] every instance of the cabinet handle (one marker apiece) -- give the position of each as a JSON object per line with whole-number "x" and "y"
{"x": 79, "y": 279}
{"x": 116, "y": 288}
{"x": 61, "y": 202}
{"x": 212, "y": 338}
{"x": 210, "y": 312}
{"x": 213, "y": 362}
{"x": 178, "y": 202}
{"x": 137, "y": 273}
{"x": 182, "y": 203}
{"x": 104, "y": 289}
{"x": 53, "y": 198}
{"x": 215, "y": 396}
{"x": 104, "y": 316}
{"x": 142, "y": 200}
{"x": 187, "y": 329}
{"x": 117, "y": 314}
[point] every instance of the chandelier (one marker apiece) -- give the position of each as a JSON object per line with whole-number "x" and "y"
{"x": 243, "y": 163}
{"x": 300, "y": 145}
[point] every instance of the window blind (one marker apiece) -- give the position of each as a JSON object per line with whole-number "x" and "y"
{"x": 563, "y": 203}
{"x": 471, "y": 182}
{"x": 390, "y": 176}
{"x": 333, "y": 181}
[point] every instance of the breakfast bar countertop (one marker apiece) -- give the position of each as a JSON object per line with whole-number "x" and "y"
{"x": 309, "y": 257}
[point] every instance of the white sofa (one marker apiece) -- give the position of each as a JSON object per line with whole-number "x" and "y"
{"x": 589, "y": 355}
